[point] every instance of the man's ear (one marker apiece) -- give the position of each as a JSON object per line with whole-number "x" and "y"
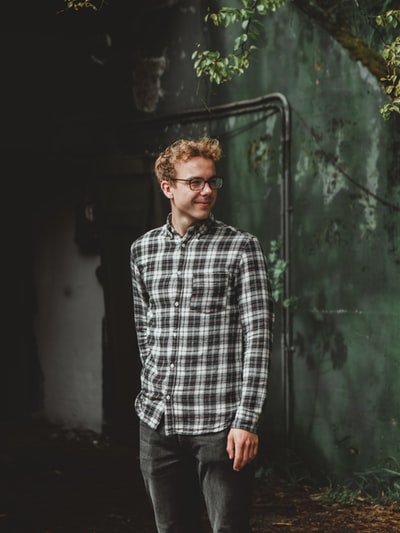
{"x": 166, "y": 187}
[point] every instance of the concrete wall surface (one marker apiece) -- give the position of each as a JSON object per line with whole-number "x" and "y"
{"x": 68, "y": 324}
{"x": 345, "y": 245}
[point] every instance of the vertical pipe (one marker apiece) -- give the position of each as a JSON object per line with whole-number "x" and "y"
{"x": 287, "y": 330}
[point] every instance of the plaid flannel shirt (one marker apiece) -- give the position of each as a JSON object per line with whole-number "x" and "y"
{"x": 203, "y": 315}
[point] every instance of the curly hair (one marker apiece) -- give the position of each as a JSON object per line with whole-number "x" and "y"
{"x": 183, "y": 150}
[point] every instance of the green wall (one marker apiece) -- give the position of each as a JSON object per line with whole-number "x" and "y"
{"x": 345, "y": 246}
{"x": 345, "y": 243}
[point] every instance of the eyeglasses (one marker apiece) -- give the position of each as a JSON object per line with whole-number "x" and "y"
{"x": 198, "y": 184}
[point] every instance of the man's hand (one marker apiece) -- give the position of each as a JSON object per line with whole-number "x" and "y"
{"x": 242, "y": 447}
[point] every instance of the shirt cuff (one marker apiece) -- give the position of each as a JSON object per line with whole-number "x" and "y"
{"x": 245, "y": 419}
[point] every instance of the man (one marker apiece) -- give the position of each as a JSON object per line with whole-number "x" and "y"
{"x": 203, "y": 316}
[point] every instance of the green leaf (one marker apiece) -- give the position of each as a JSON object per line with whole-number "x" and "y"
{"x": 205, "y": 63}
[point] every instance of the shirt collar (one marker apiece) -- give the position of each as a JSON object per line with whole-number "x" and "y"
{"x": 199, "y": 229}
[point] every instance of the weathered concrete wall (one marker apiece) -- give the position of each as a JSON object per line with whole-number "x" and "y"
{"x": 345, "y": 239}
{"x": 68, "y": 325}
{"x": 345, "y": 246}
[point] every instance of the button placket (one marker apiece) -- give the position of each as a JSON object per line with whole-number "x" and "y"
{"x": 179, "y": 270}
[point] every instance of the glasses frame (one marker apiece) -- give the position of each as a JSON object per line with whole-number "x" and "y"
{"x": 189, "y": 181}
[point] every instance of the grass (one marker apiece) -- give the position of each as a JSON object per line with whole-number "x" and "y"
{"x": 378, "y": 485}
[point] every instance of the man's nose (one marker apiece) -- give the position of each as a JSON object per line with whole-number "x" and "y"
{"x": 206, "y": 189}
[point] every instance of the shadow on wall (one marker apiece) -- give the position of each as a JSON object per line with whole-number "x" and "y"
{"x": 324, "y": 341}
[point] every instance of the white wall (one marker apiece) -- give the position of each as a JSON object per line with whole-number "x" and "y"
{"x": 68, "y": 321}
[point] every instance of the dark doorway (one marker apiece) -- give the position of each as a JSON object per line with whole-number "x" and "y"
{"x": 129, "y": 204}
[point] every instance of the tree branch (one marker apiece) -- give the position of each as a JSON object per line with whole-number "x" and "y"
{"x": 357, "y": 48}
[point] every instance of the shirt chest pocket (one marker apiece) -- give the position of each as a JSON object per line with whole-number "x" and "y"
{"x": 210, "y": 292}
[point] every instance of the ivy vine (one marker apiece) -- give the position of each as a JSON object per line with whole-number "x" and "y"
{"x": 277, "y": 267}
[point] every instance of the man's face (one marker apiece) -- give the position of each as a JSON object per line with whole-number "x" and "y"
{"x": 189, "y": 207}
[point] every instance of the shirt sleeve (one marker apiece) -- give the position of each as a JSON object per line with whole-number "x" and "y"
{"x": 140, "y": 306}
{"x": 257, "y": 318}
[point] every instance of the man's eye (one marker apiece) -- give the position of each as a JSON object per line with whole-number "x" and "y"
{"x": 196, "y": 182}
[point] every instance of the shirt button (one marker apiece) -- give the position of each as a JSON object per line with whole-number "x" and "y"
{"x": 172, "y": 365}
{"x": 176, "y": 304}
{"x": 168, "y": 397}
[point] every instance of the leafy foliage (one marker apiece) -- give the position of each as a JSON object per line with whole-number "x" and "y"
{"x": 277, "y": 266}
{"x": 221, "y": 68}
{"x": 380, "y": 484}
{"x": 77, "y": 5}
{"x": 391, "y": 54}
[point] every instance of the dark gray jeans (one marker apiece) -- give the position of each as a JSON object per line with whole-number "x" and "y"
{"x": 177, "y": 468}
